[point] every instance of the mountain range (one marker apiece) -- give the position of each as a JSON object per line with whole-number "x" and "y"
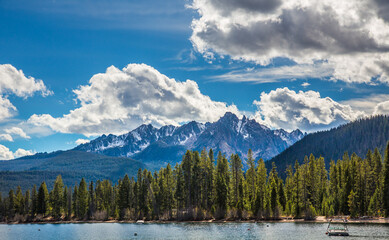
{"x": 110, "y": 157}
{"x": 158, "y": 146}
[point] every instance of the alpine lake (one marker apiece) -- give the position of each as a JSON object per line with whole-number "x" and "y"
{"x": 229, "y": 230}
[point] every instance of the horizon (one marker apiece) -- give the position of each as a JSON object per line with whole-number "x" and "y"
{"x": 72, "y": 71}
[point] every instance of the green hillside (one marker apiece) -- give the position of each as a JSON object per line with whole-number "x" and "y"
{"x": 72, "y": 165}
{"x": 357, "y": 136}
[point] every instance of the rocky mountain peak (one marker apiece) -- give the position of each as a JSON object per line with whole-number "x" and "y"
{"x": 229, "y": 135}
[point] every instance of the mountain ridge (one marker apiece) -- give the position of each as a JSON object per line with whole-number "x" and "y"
{"x": 358, "y": 136}
{"x": 229, "y": 135}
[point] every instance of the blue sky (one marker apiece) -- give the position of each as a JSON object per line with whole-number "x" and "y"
{"x": 239, "y": 64}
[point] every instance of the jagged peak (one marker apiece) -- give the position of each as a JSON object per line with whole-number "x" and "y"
{"x": 145, "y": 127}
{"x": 229, "y": 116}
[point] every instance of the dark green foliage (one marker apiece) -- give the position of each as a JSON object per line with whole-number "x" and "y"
{"x": 82, "y": 199}
{"x": 198, "y": 189}
{"x": 57, "y": 200}
{"x": 358, "y": 136}
{"x": 71, "y": 165}
{"x": 43, "y": 199}
{"x": 385, "y": 194}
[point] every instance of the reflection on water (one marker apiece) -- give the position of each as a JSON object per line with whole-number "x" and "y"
{"x": 284, "y": 231}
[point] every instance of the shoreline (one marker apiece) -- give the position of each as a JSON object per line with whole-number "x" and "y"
{"x": 319, "y": 219}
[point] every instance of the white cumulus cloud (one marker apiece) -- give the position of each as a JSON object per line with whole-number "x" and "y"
{"x": 119, "y": 100}
{"x": 7, "y": 109}
{"x": 6, "y": 137}
{"x": 13, "y": 81}
{"x": 82, "y": 141}
{"x": 22, "y": 152}
{"x": 373, "y": 104}
{"x": 382, "y": 108}
{"x": 6, "y": 154}
{"x": 16, "y": 131}
{"x": 350, "y": 37}
{"x": 308, "y": 111}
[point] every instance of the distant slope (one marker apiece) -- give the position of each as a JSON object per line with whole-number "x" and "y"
{"x": 357, "y": 136}
{"x": 72, "y": 165}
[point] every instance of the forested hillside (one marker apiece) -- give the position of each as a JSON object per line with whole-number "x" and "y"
{"x": 199, "y": 189}
{"x": 72, "y": 165}
{"x": 354, "y": 137}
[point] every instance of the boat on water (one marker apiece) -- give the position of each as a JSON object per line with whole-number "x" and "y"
{"x": 337, "y": 229}
{"x": 140, "y": 221}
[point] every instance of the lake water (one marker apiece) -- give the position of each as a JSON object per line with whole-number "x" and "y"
{"x": 283, "y": 231}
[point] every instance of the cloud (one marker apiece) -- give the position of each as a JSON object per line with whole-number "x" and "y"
{"x": 308, "y": 111}
{"x": 18, "y": 132}
{"x": 6, "y": 154}
{"x": 351, "y": 37}
{"x": 13, "y": 81}
{"x": 7, "y": 109}
{"x": 305, "y": 84}
{"x": 382, "y": 108}
{"x": 82, "y": 141}
{"x": 368, "y": 104}
{"x": 6, "y": 137}
{"x": 119, "y": 100}
{"x": 276, "y": 74}
{"x": 21, "y": 153}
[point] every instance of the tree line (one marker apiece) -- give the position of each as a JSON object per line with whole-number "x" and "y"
{"x": 201, "y": 187}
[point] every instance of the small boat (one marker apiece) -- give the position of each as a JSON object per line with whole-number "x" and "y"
{"x": 140, "y": 221}
{"x": 337, "y": 229}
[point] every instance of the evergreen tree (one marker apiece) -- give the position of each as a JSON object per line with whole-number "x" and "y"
{"x": 251, "y": 180}
{"x": 43, "y": 199}
{"x": 92, "y": 201}
{"x": 82, "y": 199}
{"x": 124, "y": 191}
{"x": 75, "y": 201}
{"x": 261, "y": 189}
{"x": 385, "y": 195}
{"x": 19, "y": 201}
{"x": 11, "y": 204}
{"x": 222, "y": 182}
{"x": 27, "y": 202}
{"x": 69, "y": 205}
{"x": 34, "y": 201}
{"x": 57, "y": 197}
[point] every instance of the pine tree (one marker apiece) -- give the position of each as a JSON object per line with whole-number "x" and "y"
{"x": 92, "y": 201}
{"x": 385, "y": 195}
{"x": 82, "y": 199}
{"x": 11, "y": 204}
{"x": 27, "y": 202}
{"x": 69, "y": 204}
{"x": 75, "y": 201}
{"x": 236, "y": 180}
{"x": 124, "y": 191}
{"x": 187, "y": 172}
{"x": 251, "y": 180}
{"x": 210, "y": 180}
{"x": 180, "y": 185}
{"x": 43, "y": 199}
{"x": 261, "y": 189}
{"x": 34, "y": 201}
{"x": 222, "y": 182}
{"x": 57, "y": 197}
{"x": 19, "y": 201}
